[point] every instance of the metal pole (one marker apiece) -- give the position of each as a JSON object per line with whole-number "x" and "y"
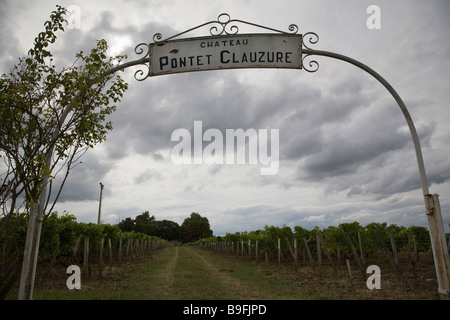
{"x": 432, "y": 206}
{"x": 100, "y": 202}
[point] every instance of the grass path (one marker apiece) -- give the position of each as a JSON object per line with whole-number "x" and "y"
{"x": 181, "y": 273}
{"x": 188, "y": 273}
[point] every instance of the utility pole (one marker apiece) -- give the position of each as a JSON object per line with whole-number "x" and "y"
{"x": 100, "y": 203}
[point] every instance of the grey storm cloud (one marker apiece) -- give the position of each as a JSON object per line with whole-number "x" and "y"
{"x": 340, "y": 132}
{"x": 84, "y": 179}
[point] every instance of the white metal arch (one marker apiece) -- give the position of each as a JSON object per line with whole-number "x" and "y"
{"x": 226, "y": 26}
{"x": 432, "y": 206}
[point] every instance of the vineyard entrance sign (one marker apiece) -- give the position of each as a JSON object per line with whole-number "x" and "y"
{"x": 225, "y": 49}
{"x": 213, "y": 53}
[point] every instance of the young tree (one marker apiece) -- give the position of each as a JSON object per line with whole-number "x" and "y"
{"x": 48, "y": 118}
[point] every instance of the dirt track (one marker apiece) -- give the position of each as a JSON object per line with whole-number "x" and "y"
{"x": 195, "y": 274}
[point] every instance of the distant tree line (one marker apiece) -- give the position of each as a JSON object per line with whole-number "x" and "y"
{"x": 193, "y": 228}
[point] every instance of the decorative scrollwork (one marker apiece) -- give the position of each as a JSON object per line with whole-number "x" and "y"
{"x": 311, "y": 66}
{"x": 223, "y": 20}
{"x": 139, "y": 50}
{"x": 312, "y": 38}
{"x": 157, "y": 37}
{"x": 293, "y": 28}
{"x": 224, "y": 25}
{"x": 142, "y": 48}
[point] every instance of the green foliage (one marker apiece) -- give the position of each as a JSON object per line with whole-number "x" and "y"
{"x": 112, "y": 232}
{"x": 49, "y": 115}
{"x": 334, "y": 237}
{"x": 59, "y": 235}
{"x": 127, "y": 225}
{"x": 91, "y": 230}
{"x": 12, "y": 241}
{"x": 300, "y": 232}
{"x": 48, "y": 36}
{"x": 168, "y": 230}
{"x": 195, "y": 227}
{"x": 51, "y": 231}
{"x": 415, "y": 234}
{"x": 146, "y": 224}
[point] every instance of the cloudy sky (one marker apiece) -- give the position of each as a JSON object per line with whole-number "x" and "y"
{"x": 345, "y": 152}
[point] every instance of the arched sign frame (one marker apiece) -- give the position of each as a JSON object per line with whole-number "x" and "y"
{"x": 223, "y": 29}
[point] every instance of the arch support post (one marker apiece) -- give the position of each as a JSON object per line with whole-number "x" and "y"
{"x": 438, "y": 244}
{"x": 432, "y": 205}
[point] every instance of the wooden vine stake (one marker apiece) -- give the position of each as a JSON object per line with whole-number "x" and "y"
{"x": 325, "y": 249}
{"x": 128, "y": 248}
{"x": 110, "y": 252}
{"x": 393, "y": 245}
{"x": 295, "y": 255}
{"x": 355, "y": 255}
{"x": 120, "y": 250}
{"x": 349, "y": 272}
{"x": 86, "y": 256}
{"x": 319, "y": 256}
{"x": 293, "y": 252}
{"x": 413, "y": 264}
{"x": 391, "y": 259}
{"x": 311, "y": 261}
{"x": 363, "y": 262}
{"x": 100, "y": 258}
{"x": 279, "y": 254}
{"x": 77, "y": 245}
{"x": 256, "y": 252}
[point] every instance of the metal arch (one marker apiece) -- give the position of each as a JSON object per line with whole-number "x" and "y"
{"x": 401, "y": 104}
{"x": 440, "y": 251}
{"x": 313, "y": 67}
{"x": 224, "y": 25}
{"x": 432, "y": 206}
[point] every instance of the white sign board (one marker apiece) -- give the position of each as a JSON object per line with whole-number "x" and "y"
{"x": 226, "y": 52}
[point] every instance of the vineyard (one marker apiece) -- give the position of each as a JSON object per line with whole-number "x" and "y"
{"x": 346, "y": 251}
{"x": 331, "y": 263}
{"x": 66, "y": 241}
